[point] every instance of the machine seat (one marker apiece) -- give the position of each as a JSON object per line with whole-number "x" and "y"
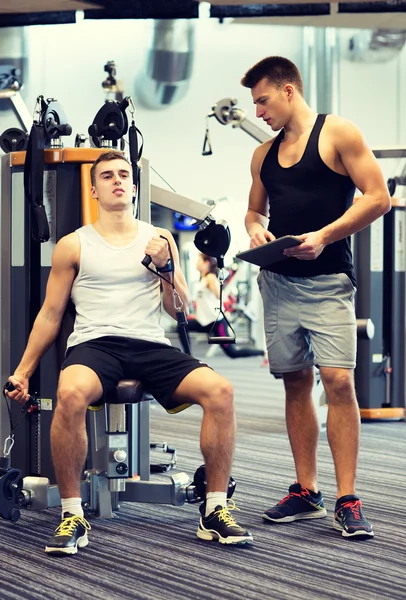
{"x": 128, "y": 391}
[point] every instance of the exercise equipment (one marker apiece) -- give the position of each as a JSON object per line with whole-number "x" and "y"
{"x": 226, "y": 112}
{"x": 379, "y": 252}
{"x": 110, "y": 480}
{"x": 13, "y": 140}
{"x": 10, "y": 86}
{"x": 118, "y": 467}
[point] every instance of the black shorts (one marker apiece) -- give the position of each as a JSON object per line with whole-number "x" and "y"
{"x": 159, "y": 367}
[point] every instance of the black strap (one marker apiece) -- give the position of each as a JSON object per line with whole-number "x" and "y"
{"x": 34, "y": 183}
{"x": 37, "y": 220}
{"x": 135, "y": 152}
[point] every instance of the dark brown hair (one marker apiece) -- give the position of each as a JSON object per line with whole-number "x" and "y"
{"x": 106, "y": 156}
{"x": 212, "y": 262}
{"x": 277, "y": 70}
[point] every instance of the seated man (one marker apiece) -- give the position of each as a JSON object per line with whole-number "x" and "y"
{"x": 116, "y": 336}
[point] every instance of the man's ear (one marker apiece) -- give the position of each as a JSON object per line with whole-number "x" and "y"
{"x": 134, "y": 189}
{"x": 93, "y": 192}
{"x": 290, "y": 90}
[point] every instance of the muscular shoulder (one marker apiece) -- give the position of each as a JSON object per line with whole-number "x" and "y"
{"x": 343, "y": 132}
{"x": 67, "y": 251}
{"x": 259, "y": 155}
{"x": 165, "y": 233}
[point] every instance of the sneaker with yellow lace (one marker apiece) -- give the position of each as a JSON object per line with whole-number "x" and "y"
{"x": 221, "y": 526}
{"x": 70, "y": 535}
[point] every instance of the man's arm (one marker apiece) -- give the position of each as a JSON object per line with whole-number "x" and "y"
{"x": 46, "y": 326}
{"x": 157, "y": 249}
{"x": 256, "y": 219}
{"x": 365, "y": 172}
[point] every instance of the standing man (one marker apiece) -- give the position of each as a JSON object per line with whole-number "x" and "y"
{"x": 303, "y": 184}
{"x": 117, "y": 335}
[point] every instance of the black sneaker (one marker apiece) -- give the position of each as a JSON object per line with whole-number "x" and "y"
{"x": 349, "y": 519}
{"x": 300, "y": 503}
{"x": 221, "y": 526}
{"x": 70, "y": 535}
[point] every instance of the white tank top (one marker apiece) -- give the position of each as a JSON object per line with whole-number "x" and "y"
{"x": 206, "y": 304}
{"x": 114, "y": 294}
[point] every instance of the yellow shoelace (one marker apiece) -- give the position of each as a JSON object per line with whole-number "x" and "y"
{"x": 224, "y": 514}
{"x": 68, "y": 525}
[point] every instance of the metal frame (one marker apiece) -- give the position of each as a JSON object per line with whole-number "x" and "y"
{"x": 102, "y": 489}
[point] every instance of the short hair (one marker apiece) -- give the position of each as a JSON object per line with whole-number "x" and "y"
{"x": 212, "y": 262}
{"x": 277, "y": 70}
{"x": 109, "y": 155}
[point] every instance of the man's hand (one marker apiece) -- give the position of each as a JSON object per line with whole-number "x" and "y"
{"x": 20, "y": 394}
{"x": 157, "y": 249}
{"x": 260, "y": 236}
{"x": 311, "y": 247}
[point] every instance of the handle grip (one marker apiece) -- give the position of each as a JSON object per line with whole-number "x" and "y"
{"x": 146, "y": 260}
{"x": 31, "y": 402}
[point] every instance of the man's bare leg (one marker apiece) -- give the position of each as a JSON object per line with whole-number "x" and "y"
{"x": 217, "y": 438}
{"x": 343, "y": 425}
{"x": 302, "y": 425}
{"x": 78, "y": 387}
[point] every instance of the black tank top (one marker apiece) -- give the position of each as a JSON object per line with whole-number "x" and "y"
{"x": 304, "y": 198}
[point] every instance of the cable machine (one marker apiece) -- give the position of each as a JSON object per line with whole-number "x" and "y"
{"x": 45, "y": 194}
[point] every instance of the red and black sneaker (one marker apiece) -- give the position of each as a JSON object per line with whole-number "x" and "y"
{"x": 300, "y": 503}
{"x": 349, "y": 518}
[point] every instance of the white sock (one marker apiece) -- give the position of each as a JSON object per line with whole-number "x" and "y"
{"x": 214, "y": 499}
{"x": 72, "y": 506}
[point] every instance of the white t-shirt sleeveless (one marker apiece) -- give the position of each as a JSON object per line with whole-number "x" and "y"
{"x": 113, "y": 293}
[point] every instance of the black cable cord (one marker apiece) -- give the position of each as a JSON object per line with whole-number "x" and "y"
{"x": 223, "y": 316}
{"x": 180, "y": 314}
{"x": 172, "y": 273}
{"x": 23, "y": 411}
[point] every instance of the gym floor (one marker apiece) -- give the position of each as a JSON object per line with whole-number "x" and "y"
{"x": 151, "y": 552}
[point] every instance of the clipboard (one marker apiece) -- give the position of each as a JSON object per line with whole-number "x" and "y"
{"x": 269, "y": 253}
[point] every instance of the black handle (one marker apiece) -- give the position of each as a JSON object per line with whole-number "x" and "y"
{"x": 32, "y": 400}
{"x": 146, "y": 260}
{"x": 226, "y": 339}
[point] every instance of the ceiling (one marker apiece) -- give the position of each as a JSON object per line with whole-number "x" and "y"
{"x": 352, "y": 13}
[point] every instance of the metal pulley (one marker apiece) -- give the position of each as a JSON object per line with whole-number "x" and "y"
{"x": 13, "y": 140}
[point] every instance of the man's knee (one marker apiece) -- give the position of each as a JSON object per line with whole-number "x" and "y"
{"x": 72, "y": 399}
{"x": 218, "y": 394}
{"x": 338, "y": 382}
{"x": 299, "y": 382}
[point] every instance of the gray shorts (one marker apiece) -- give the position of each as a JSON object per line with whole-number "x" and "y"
{"x": 309, "y": 321}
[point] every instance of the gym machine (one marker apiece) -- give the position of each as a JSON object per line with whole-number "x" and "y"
{"x": 379, "y": 262}
{"x": 379, "y": 259}
{"x": 14, "y": 139}
{"x": 45, "y": 194}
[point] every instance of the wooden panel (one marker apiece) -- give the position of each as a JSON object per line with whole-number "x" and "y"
{"x": 35, "y": 6}
{"x": 90, "y": 210}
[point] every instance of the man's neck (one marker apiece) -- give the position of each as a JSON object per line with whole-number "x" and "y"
{"x": 301, "y": 121}
{"x": 121, "y": 223}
